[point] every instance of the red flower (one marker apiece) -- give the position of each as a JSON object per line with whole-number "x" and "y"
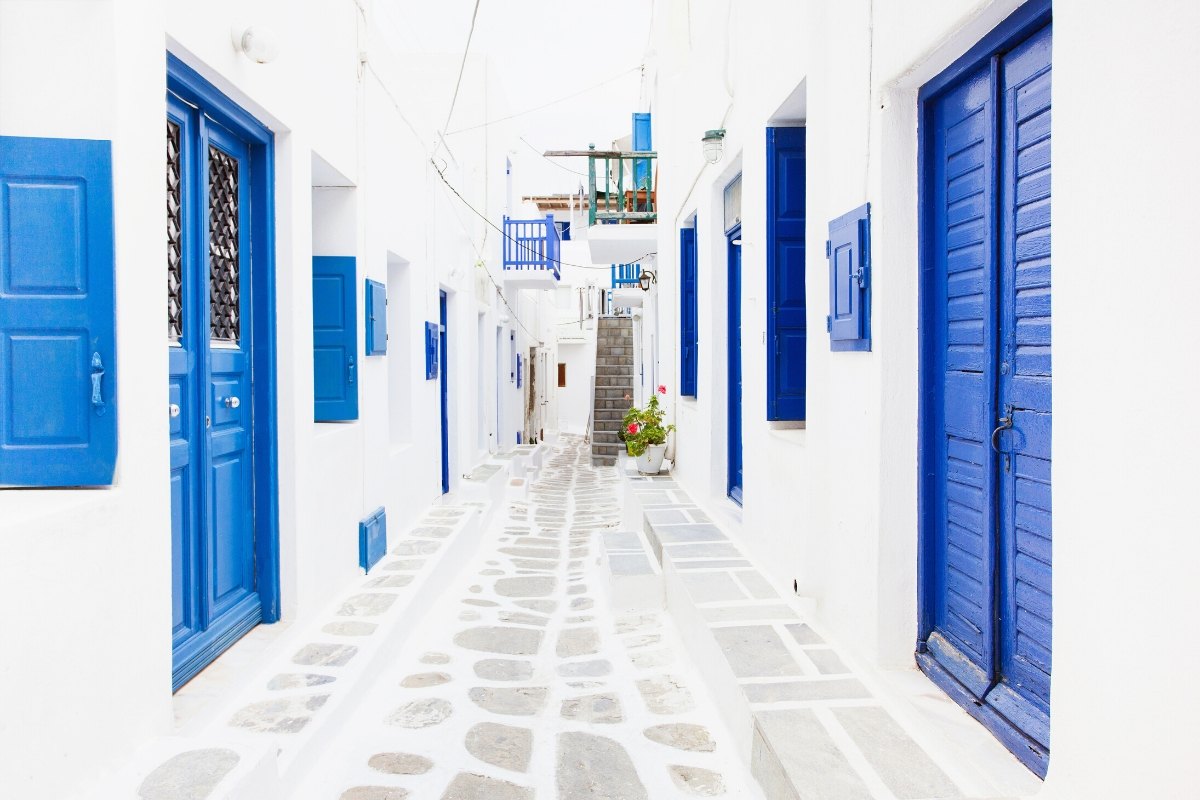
{"x": 633, "y": 427}
{"x": 662, "y": 389}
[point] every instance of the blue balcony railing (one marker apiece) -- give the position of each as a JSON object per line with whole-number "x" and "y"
{"x": 624, "y": 275}
{"x": 532, "y": 244}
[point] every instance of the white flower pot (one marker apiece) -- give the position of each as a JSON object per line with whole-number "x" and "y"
{"x": 650, "y": 462}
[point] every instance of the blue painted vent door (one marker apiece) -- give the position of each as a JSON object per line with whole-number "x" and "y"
{"x": 735, "y": 366}
{"x": 209, "y": 330}
{"x": 986, "y": 375}
{"x": 58, "y": 413}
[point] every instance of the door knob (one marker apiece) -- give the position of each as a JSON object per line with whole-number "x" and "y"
{"x": 173, "y": 409}
{"x": 232, "y": 402}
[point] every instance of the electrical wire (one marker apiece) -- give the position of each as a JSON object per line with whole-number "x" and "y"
{"x": 417, "y": 135}
{"x": 519, "y": 243}
{"x": 552, "y": 161}
{"x": 463, "y": 66}
{"x": 547, "y": 105}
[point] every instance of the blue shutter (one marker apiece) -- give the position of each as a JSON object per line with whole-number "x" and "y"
{"x": 58, "y": 366}
{"x": 849, "y": 252}
{"x": 372, "y": 539}
{"x": 787, "y": 331}
{"x": 376, "y": 303}
{"x": 431, "y": 351}
{"x": 688, "y": 332}
{"x": 518, "y": 370}
{"x": 335, "y": 339}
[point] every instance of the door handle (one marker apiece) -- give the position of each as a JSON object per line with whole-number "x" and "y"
{"x": 350, "y": 369}
{"x": 1005, "y": 424}
{"x": 232, "y": 402}
{"x": 97, "y": 377}
{"x": 173, "y": 410}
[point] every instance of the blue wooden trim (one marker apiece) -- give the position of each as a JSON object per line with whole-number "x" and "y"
{"x": 189, "y": 86}
{"x": 375, "y": 311}
{"x": 1027, "y": 751}
{"x": 861, "y": 218}
{"x": 195, "y": 89}
{"x": 198, "y": 656}
{"x": 1017, "y": 26}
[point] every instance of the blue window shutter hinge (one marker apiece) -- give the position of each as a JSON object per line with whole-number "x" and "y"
{"x": 828, "y": 324}
{"x": 828, "y": 248}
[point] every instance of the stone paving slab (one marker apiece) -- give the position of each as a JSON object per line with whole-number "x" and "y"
{"x": 545, "y": 689}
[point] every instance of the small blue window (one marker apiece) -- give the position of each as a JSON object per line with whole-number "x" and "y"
{"x": 58, "y": 367}
{"x": 431, "y": 351}
{"x": 376, "y": 304}
{"x": 518, "y": 370}
{"x": 849, "y": 253}
{"x": 335, "y": 339}
{"x": 688, "y": 313}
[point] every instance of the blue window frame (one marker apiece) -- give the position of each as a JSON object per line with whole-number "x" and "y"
{"x": 688, "y": 312}
{"x": 376, "y": 308}
{"x": 335, "y": 339}
{"x": 787, "y": 298}
{"x": 58, "y": 368}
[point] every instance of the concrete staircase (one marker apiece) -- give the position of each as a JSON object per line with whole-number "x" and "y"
{"x": 614, "y": 380}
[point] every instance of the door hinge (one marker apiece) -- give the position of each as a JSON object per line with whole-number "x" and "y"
{"x": 828, "y": 248}
{"x": 828, "y": 323}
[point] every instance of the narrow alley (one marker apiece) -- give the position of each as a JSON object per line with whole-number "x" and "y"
{"x": 637, "y": 400}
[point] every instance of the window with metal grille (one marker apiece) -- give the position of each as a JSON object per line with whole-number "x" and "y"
{"x": 224, "y": 274}
{"x": 174, "y": 236}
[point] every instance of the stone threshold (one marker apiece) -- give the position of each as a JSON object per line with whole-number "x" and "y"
{"x": 259, "y": 741}
{"x": 808, "y": 721}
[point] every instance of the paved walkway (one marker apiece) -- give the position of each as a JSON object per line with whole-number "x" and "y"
{"x": 527, "y": 686}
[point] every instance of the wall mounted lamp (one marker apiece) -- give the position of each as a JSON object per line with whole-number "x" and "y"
{"x": 256, "y": 43}
{"x": 714, "y": 145}
{"x": 646, "y": 279}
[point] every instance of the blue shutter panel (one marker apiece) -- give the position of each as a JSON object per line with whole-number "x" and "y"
{"x": 518, "y": 370}
{"x": 787, "y": 332}
{"x": 688, "y": 333}
{"x": 376, "y": 302}
{"x": 431, "y": 350}
{"x": 335, "y": 339}
{"x": 849, "y": 250}
{"x": 58, "y": 370}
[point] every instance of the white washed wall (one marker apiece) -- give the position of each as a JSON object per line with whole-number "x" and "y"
{"x": 834, "y": 505}
{"x": 85, "y": 575}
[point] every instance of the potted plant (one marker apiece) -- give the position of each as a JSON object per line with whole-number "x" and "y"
{"x": 645, "y": 436}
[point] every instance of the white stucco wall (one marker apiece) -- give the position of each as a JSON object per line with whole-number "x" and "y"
{"x": 833, "y": 505}
{"x": 87, "y": 672}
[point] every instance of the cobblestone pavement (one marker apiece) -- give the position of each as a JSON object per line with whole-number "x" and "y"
{"x": 524, "y": 684}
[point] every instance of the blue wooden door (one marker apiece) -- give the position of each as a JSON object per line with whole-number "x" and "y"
{"x": 443, "y": 392}
{"x": 986, "y": 392}
{"x": 787, "y": 331}
{"x": 216, "y": 593}
{"x": 734, "y": 249}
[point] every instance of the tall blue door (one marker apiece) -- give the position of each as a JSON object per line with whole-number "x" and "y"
{"x": 210, "y": 323}
{"x": 986, "y": 384}
{"x": 443, "y": 393}
{"x": 734, "y": 238}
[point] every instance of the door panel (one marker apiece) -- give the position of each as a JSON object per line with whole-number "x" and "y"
{"x": 961, "y": 238}
{"x": 1025, "y": 380}
{"x": 215, "y": 584}
{"x": 988, "y": 582}
{"x": 735, "y": 366}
